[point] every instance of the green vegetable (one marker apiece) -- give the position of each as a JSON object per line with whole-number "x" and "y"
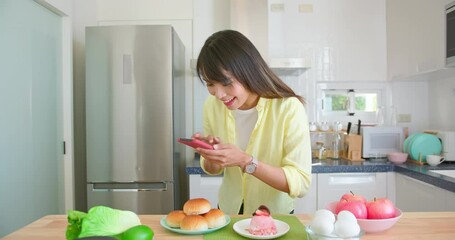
{"x": 140, "y": 232}
{"x": 74, "y": 224}
{"x": 105, "y": 221}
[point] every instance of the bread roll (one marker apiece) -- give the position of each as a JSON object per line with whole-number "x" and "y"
{"x": 174, "y": 218}
{"x": 215, "y": 218}
{"x": 194, "y": 222}
{"x": 196, "y": 206}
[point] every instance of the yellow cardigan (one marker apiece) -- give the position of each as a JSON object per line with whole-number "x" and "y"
{"x": 280, "y": 138}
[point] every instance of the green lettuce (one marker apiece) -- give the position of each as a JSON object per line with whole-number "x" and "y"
{"x": 100, "y": 221}
{"x": 74, "y": 224}
{"x": 105, "y": 221}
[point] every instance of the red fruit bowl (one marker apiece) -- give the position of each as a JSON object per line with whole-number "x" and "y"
{"x": 372, "y": 225}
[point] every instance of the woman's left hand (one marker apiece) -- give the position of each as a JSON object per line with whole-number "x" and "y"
{"x": 226, "y": 155}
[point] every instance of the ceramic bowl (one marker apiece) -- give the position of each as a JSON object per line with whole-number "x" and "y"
{"x": 397, "y": 157}
{"x": 372, "y": 225}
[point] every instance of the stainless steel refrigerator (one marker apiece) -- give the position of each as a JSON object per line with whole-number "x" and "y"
{"x": 134, "y": 112}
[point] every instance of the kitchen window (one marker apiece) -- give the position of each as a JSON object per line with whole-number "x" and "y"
{"x": 337, "y": 101}
{"x": 349, "y": 102}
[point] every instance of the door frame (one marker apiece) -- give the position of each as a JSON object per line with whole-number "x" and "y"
{"x": 63, "y": 9}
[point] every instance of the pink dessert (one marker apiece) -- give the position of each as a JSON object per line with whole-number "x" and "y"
{"x": 262, "y": 223}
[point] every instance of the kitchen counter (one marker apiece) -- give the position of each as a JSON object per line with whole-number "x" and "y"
{"x": 422, "y": 173}
{"x": 412, "y": 225}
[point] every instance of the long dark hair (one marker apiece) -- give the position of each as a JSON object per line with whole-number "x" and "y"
{"x": 231, "y": 51}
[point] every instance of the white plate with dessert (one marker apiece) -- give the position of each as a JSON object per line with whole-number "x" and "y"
{"x": 261, "y": 226}
{"x": 242, "y": 228}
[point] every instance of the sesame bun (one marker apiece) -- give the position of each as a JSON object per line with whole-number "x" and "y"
{"x": 215, "y": 218}
{"x": 194, "y": 223}
{"x": 174, "y": 218}
{"x": 196, "y": 206}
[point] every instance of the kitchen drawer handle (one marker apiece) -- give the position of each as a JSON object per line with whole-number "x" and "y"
{"x": 352, "y": 179}
{"x": 129, "y": 187}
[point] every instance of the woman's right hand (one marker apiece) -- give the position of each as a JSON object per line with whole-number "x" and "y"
{"x": 210, "y": 166}
{"x": 212, "y": 140}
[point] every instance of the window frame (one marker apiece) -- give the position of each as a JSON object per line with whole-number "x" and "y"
{"x": 342, "y": 116}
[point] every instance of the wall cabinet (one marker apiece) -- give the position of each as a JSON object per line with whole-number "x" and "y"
{"x": 346, "y": 39}
{"x": 413, "y": 195}
{"x": 415, "y": 37}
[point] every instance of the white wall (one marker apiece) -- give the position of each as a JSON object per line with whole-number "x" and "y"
{"x": 441, "y": 101}
{"x": 209, "y": 17}
{"x": 411, "y": 97}
{"x": 428, "y": 98}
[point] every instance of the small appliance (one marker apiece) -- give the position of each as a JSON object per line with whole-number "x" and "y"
{"x": 378, "y": 141}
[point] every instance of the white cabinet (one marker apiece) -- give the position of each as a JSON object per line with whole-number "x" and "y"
{"x": 325, "y": 188}
{"x": 416, "y": 196}
{"x": 308, "y": 204}
{"x": 450, "y": 201}
{"x": 205, "y": 186}
{"x": 415, "y": 37}
{"x": 109, "y": 10}
{"x": 331, "y": 186}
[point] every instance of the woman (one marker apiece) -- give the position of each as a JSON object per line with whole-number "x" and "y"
{"x": 257, "y": 125}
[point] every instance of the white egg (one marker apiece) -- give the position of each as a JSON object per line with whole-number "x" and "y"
{"x": 346, "y": 216}
{"x": 346, "y": 228}
{"x": 325, "y": 214}
{"x": 321, "y": 225}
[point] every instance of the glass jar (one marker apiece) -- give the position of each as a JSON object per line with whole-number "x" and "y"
{"x": 324, "y": 126}
{"x": 337, "y": 126}
{"x": 313, "y": 126}
{"x": 380, "y": 116}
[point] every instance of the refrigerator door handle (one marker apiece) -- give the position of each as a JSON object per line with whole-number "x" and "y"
{"x": 129, "y": 187}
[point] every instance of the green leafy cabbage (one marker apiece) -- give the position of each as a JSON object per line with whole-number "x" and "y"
{"x": 74, "y": 224}
{"x": 105, "y": 221}
{"x": 100, "y": 221}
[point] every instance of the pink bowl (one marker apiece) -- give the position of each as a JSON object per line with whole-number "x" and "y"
{"x": 397, "y": 157}
{"x": 372, "y": 225}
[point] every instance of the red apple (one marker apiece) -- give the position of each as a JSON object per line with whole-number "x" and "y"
{"x": 380, "y": 208}
{"x": 358, "y": 208}
{"x": 353, "y": 197}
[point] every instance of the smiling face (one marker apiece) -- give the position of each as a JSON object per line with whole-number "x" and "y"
{"x": 232, "y": 93}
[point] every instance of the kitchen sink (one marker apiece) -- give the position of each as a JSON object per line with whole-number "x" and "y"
{"x": 449, "y": 173}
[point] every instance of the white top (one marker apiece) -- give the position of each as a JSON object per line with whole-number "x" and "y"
{"x": 245, "y": 120}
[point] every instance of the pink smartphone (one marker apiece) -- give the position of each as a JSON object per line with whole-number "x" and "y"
{"x": 195, "y": 143}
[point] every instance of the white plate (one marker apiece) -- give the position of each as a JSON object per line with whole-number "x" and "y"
{"x": 241, "y": 227}
{"x": 188, "y": 232}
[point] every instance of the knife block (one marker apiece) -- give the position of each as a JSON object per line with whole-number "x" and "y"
{"x": 353, "y": 147}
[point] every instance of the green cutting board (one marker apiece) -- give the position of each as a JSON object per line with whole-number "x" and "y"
{"x": 296, "y": 231}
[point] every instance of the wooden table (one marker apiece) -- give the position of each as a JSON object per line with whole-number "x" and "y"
{"x": 412, "y": 225}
